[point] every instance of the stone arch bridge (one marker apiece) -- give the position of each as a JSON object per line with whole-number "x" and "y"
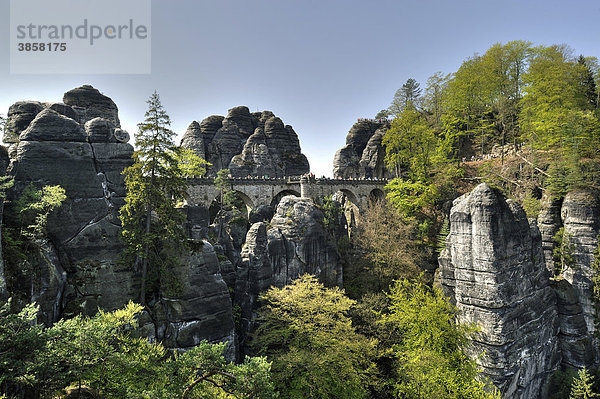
{"x": 262, "y": 191}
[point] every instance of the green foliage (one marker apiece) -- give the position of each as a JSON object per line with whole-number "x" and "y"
{"x": 102, "y": 353}
{"x": 582, "y": 387}
{"x": 155, "y": 183}
{"x": 410, "y": 145}
{"x": 315, "y": 350}
{"x": 189, "y": 163}
{"x": 332, "y": 212}
{"x": 25, "y": 221}
{"x": 406, "y": 97}
{"x": 560, "y": 383}
{"x": 20, "y": 338}
{"x": 385, "y": 251}
{"x": 410, "y": 197}
{"x": 562, "y": 252}
{"x": 532, "y": 206}
{"x": 34, "y": 206}
{"x": 442, "y": 234}
{"x": 429, "y": 357}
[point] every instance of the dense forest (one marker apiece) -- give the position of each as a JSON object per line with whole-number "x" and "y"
{"x": 520, "y": 117}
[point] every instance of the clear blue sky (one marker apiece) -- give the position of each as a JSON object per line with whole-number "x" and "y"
{"x": 317, "y": 64}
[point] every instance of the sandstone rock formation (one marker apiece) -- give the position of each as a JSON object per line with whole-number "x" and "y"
{"x": 295, "y": 243}
{"x": 256, "y": 144}
{"x": 363, "y": 155}
{"x": 198, "y": 307}
{"x": 86, "y": 160}
{"x": 580, "y": 214}
{"x": 78, "y": 145}
{"x": 493, "y": 269}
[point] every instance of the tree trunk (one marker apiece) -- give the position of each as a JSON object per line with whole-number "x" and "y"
{"x": 145, "y": 258}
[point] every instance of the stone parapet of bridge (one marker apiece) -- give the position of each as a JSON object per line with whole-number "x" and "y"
{"x": 268, "y": 191}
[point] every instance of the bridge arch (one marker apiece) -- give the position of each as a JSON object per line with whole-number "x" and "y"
{"x": 376, "y": 195}
{"x": 350, "y": 196}
{"x": 277, "y": 198}
{"x": 215, "y": 204}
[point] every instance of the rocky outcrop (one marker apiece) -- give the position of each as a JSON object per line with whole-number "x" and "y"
{"x": 198, "y": 306}
{"x": 78, "y": 268}
{"x": 493, "y": 269}
{"x": 549, "y": 223}
{"x": 255, "y": 144}
{"x": 363, "y": 155}
{"x": 293, "y": 244}
{"x": 3, "y": 165}
{"x": 580, "y": 214}
{"x": 89, "y": 103}
{"x": 85, "y": 156}
{"x": 19, "y": 116}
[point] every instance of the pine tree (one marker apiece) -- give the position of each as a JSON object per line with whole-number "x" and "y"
{"x": 155, "y": 183}
{"x": 582, "y": 387}
{"x": 406, "y": 97}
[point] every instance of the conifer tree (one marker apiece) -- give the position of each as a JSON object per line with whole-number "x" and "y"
{"x": 582, "y": 387}
{"x": 155, "y": 183}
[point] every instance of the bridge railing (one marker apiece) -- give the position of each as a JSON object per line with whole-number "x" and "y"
{"x": 286, "y": 180}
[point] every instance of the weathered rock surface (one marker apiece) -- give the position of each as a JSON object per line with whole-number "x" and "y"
{"x": 574, "y": 341}
{"x": 194, "y": 139}
{"x": 295, "y": 243}
{"x": 256, "y": 144}
{"x": 19, "y": 116}
{"x": 580, "y": 214}
{"x": 363, "y": 155}
{"x": 200, "y": 308}
{"x": 79, "y": 146}
{"x": 549, "y": 223}
{"x": 86, "y": 160}
{"x": 89, "y": 103}
{"x": 3, "y": 165}
{"x": 493, "y": 269}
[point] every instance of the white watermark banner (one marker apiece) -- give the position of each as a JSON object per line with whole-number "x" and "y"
{"x": 80, "y": 36}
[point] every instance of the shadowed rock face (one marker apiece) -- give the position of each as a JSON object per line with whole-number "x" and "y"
{"x": 580, "y": 215}
{"x": 255, "y": 144}
{"x": 493, "y": 269}
{"x": 363, "y": 155}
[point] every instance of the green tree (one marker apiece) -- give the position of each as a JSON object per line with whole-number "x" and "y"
{"x": 189, "y": 163}
{"x": 428, "y": 346}
{"x": 406, "y": 97}
{"x": 315, "y": 350}
{"x": 104, "y": 354}
{"x": 435, "y": 96}
{"x": 410, "y": 144}
{"x": 385, "y": 250}
{"x": 155, "y": 184}
{"x": 556, "y": 113}
{"x": 587, "y": 82}
{"x": 582, "y": 387}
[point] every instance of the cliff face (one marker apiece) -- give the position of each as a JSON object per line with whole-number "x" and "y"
{"x": 294, "y": 243}
{"x": 493, "y": 268}
{"x": 255, "y": 144}
{"x": 363, "y": 155}
{"x": 78, "y": 145}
